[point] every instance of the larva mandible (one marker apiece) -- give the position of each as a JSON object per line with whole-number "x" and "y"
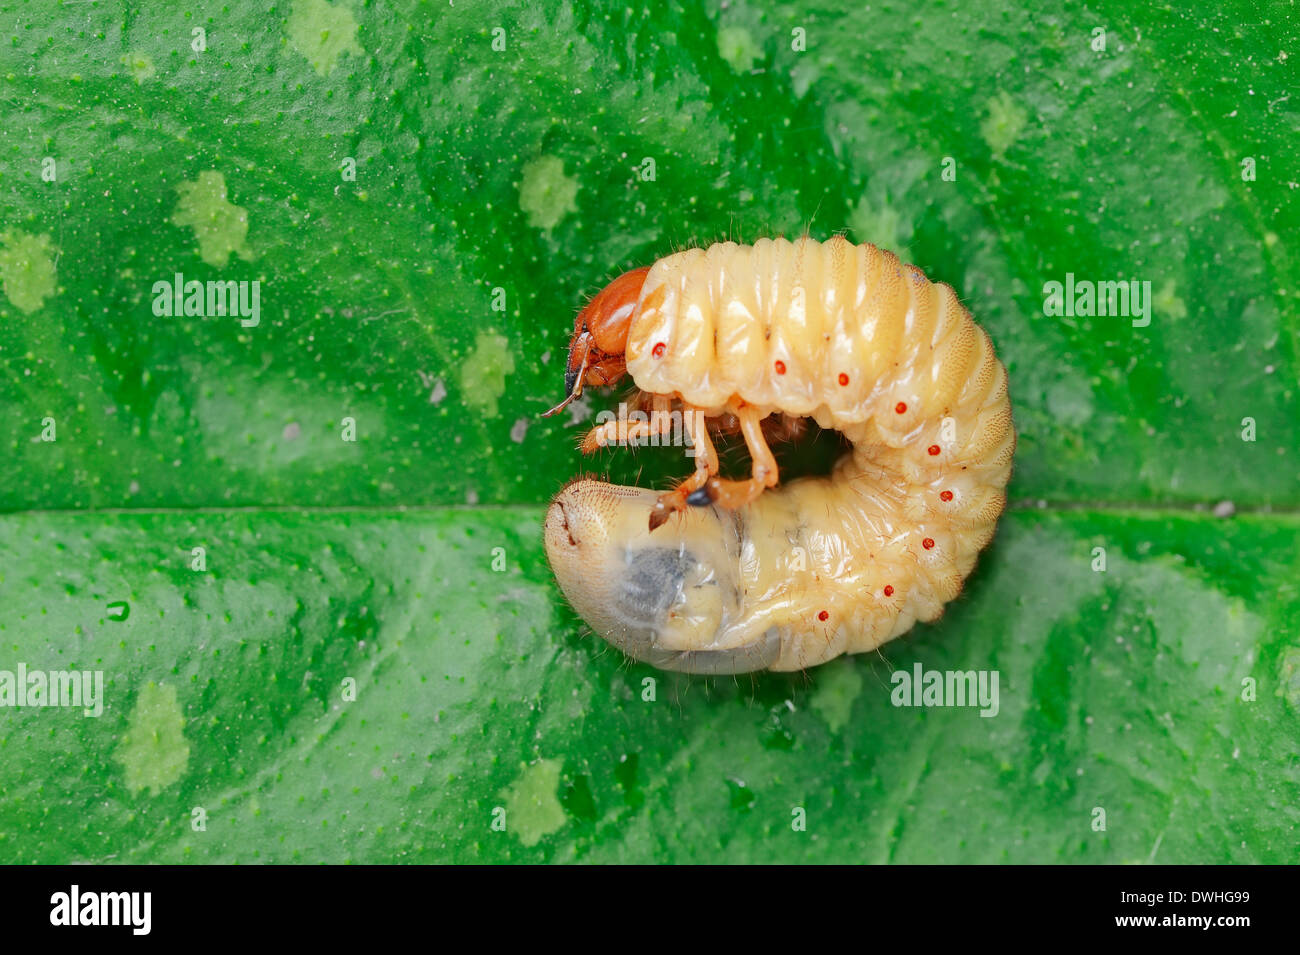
{"x": 787, "y": 578}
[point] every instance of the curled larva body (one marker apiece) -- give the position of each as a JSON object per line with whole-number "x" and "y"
{"x": 801, "y": 573}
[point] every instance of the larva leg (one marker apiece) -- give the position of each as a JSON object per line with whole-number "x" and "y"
{"x": 731, "y": 495}
{"x": 706, "y": 465}
{"x": 623, "y": 432}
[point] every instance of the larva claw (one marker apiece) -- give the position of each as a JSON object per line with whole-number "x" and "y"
{"x": 658, "y": 515}
{"x": 675, "y": 500}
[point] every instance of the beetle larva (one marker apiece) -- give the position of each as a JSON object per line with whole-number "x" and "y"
{"x": 783, "y": 579}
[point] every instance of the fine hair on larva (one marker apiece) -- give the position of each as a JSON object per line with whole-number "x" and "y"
{"x": 723, "y": 576}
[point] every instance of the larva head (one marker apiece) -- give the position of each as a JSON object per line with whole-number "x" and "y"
{"x": 600, "y": 336}
{"x": 664, "y": 599}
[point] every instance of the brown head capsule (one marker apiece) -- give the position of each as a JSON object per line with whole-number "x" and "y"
{"x": 600, "y": 336}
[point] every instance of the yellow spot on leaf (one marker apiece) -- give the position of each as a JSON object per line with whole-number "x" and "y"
{"x": 1288, "y": 677}
{"x": 533, "y": 807}
{"x": 838, "y": 685}
{"x": 1167, "y": 304}
{"x": 26, "y": 269}
{"x": 322, "y": 33}
{"x": 736, "y": 45}
{"x": 140, "y": 65}
{"x": 546, "y": 194}
{"x": 483, "y": 374}
{"x": 153, "y": 751}
{"x": 881, "y": 225}
{"x": 1070, "y": 401}
{"x": 1004, "y": 123}
{"x": 220, "y": 226}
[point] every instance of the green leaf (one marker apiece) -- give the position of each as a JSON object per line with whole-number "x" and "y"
{"x": 359, "y": 667}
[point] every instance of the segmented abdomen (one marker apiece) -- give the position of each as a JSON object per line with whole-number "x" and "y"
{"x": 870, "y": 347}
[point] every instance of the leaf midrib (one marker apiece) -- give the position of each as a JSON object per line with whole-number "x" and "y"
{"x": 1113, "y": 508}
